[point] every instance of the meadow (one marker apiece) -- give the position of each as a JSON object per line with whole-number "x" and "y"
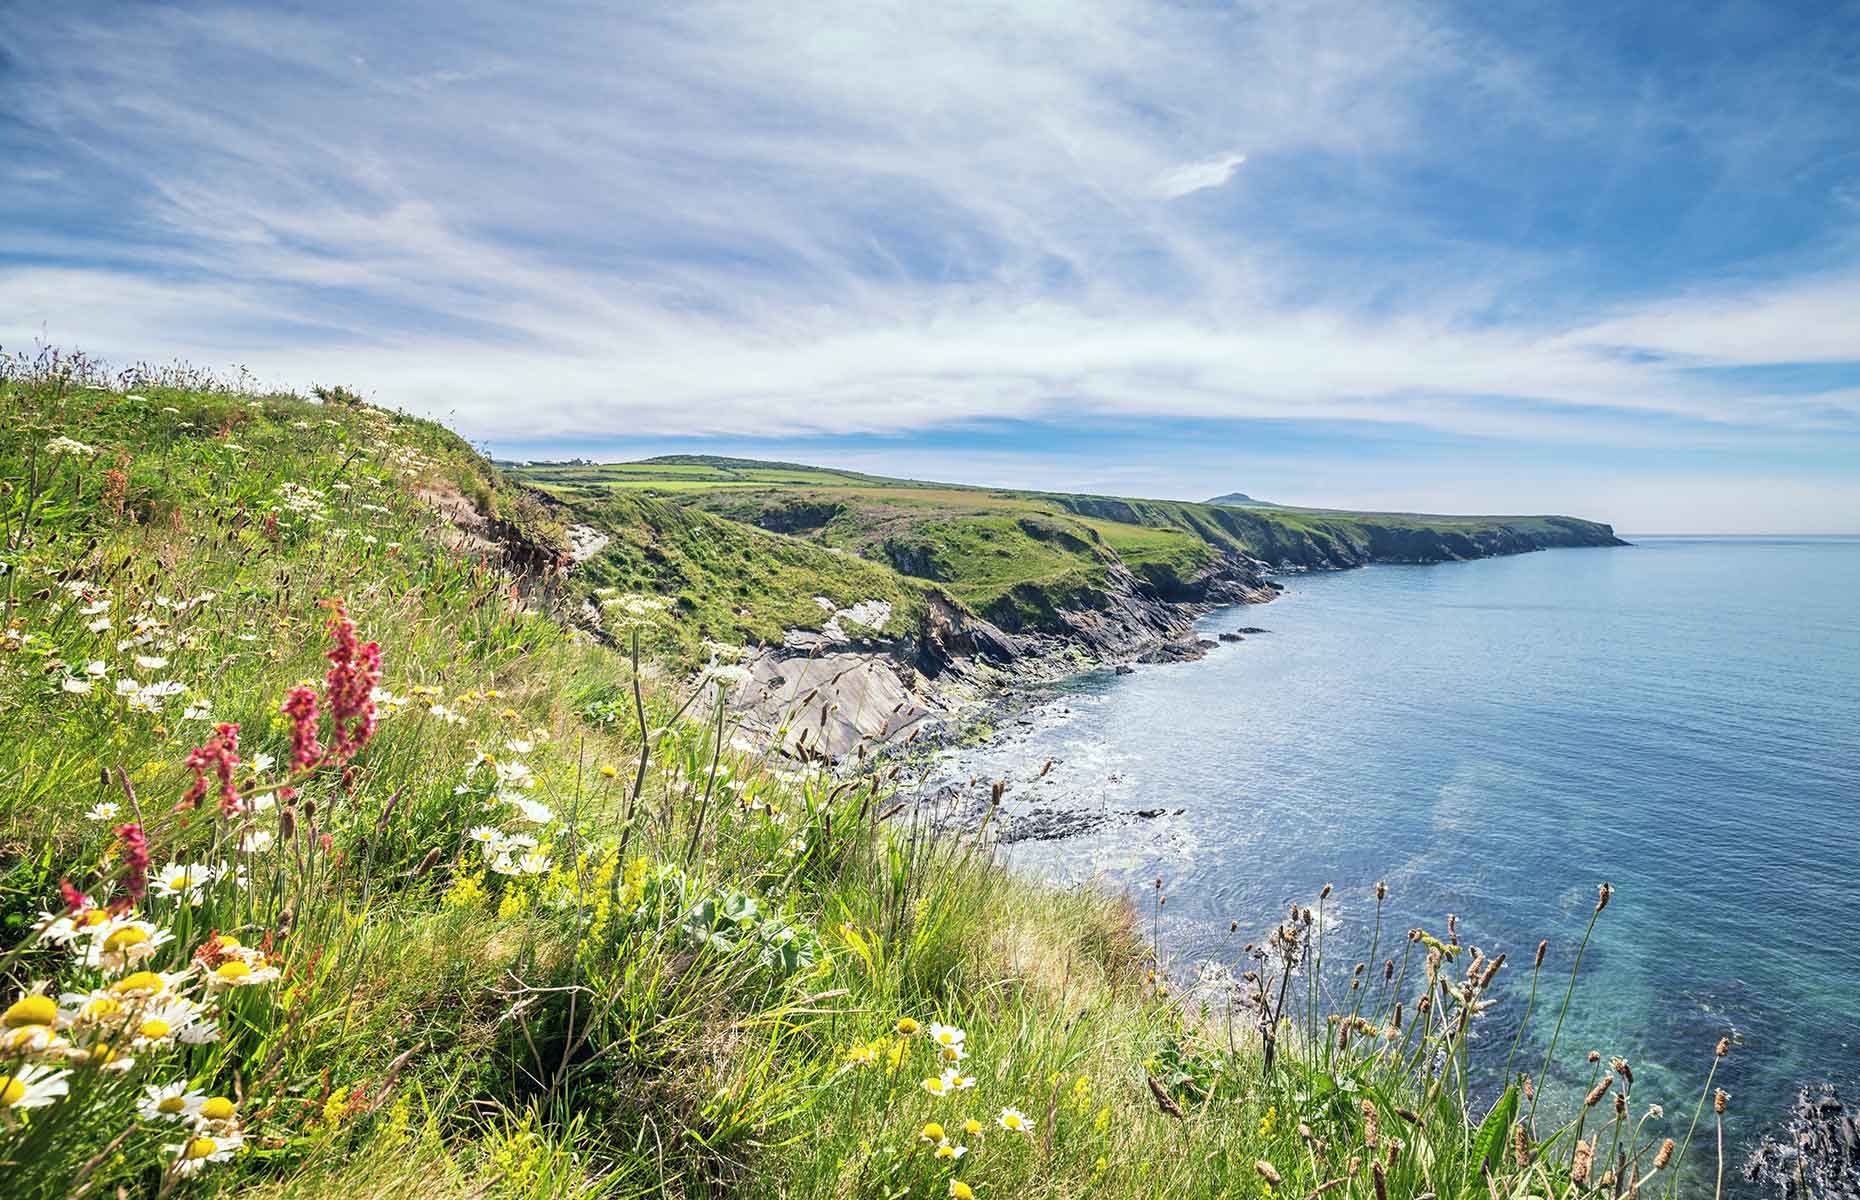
{"x": 343, "y": 853}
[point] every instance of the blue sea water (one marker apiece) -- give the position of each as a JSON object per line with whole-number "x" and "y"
{"x": 1680, "y": 718}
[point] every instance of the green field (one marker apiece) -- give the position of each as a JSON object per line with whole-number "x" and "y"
{"x": 1016, "y": 557}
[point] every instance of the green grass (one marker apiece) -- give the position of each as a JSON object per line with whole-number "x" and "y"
{"x": 698, "y": 990}
{"x": 1019, "y": 557}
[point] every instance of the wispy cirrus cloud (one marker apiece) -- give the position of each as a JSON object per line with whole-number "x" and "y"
{"x": 728, "y": 220}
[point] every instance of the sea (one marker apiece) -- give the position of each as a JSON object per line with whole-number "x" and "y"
{"x": 1678, "y": 718}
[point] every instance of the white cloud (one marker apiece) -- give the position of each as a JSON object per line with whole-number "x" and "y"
{"x": 1196, "y": 176}
{"x": 724, "y": 219}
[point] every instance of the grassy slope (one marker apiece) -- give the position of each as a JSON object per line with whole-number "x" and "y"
{"x": 681, "y": 1003}
{"x": 1014, "y": 556}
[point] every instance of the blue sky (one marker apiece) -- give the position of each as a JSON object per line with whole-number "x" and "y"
{"x": 1590, "y": 258}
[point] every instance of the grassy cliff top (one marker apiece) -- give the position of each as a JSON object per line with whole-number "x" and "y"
{"x": 1015, "y": 556}
{"x": 513, "y": 918}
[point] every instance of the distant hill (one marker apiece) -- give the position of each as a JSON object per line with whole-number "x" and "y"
{"x": 1239, "y": 500}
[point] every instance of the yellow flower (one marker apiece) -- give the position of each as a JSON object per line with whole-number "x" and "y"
{"x": 609, "y": 771}
{"x": 959, "y": 1190}
{"x": 1270, "y": 1121}
{"x": 972, "y": 1127}
{"x": 908, "y": 1027}
{"x": 931, "y": 1132}
{"x": 31, "y": 1010}
{"x": 1101, "y": 1164}
{"x": 936, "y": 1085}
{"x": 218, "y": 1108}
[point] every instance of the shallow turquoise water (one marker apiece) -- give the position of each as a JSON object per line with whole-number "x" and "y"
{"x": 1681, "y": 718}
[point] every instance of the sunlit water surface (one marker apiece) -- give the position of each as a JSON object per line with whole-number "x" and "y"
{"x": 1681, "y": 718}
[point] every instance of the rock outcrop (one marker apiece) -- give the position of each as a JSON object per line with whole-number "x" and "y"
{"x": 1817, "y": 1154}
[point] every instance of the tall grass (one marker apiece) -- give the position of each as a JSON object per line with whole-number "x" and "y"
{"x": 549, "y": 932}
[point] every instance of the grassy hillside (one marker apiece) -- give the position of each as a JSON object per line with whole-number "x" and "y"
{"x": 513, "y": 919}
{"x": 1016, "y": 556}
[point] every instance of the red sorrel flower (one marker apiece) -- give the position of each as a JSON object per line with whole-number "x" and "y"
{"x": 133, "y": 848}
{"x": 75, "y": 901}
{"x": 300, "y": 707}
{"x": 355, "y": 670}
{"x": 221, "y": 756}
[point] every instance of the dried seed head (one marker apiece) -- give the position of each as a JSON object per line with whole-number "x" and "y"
{"x": 1597, "y": 1092}
{"x": 1382, "y": 1184}
{"x": 1372, "y": 1125}
{"x": 1719, "y": 1100}
{"x": 994, "y": 793}
{"x": 1324, "y": 893}
{"x": 1665, "y": 1155}
{"x": 1233, "y": 926}
{"x": 1601, "y": 902}
{"x": 1542, "y": 948}
{"x": 1521, "y": 1144}
{"x": 1595, "y": 1056}
{"x": 1388, "y": 970}
{"x": 1585, "y": 1160}
{"x": 1382, "y": 890}
{"x": 1620, "y": 1105}
{"x": 1724, "y": 1046}
{"x": 1267, "y": 1172}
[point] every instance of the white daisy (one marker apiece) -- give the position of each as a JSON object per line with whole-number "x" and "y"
{"x": 150, "y": 662}
{"x": 1014, "y": 1121}
{"x": 121, "y": 942}
{"x": 170, "y": 1102}
{"x": 534, "y": 863}
{"x": 946, "y": 1036}
{"x": 31, "y": 1087}
{"x": 192, "y": 1156}
{"x": 76, "y": 687}
{"x": 182, "y": 881}
{"x": 533, "y": 810}
{"x": 105, "y": 811}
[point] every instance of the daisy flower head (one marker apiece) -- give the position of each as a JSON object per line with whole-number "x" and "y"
{"x": 103, "y": 812}
{"x": 953, "y": 1054}
{"x": 30, "y": 1011}
{"x": 31, "y": 1086}
{"x": 243, "y": 968}
{"x": 972, "y": 1127}
{"x": 1014, "y": 1121}
{"x": 487, "y": 836}
{"x": 89, "y": 1008}
{"x": 959, "y": 1190}
{"x": 29, "y": 1040}
{"x": 76, "y": 687}
{"x": 193, "y": 1155}
{"x": 937, "y": 1085}
{"x": 219, "y": 1112}
{"x": 182, "y": 881}
{"x": 535, "y": 863}
{"x": 534, "y": 811}
{"x": 908, "y": 1027}
{"x": 146, "y": 985}
{"x": 958, "y": 1082}
{"x": 948, "y": 1151}
{"x": 170, "y": 1102}
{"x": 946, "y": 1036}
{"x": 68, "y": 927}
{"x": 122, "y": 942}
{"x": 931, "y": 1132}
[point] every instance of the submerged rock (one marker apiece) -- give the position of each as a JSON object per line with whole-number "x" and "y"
{"x": 1816, "y": 1156}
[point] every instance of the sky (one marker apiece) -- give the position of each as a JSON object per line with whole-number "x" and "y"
{"x": 1592, "y": 258}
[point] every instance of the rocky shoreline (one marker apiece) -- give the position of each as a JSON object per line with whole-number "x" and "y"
{"x": 831, "y": 694}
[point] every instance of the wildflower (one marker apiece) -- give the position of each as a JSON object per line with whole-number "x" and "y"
{"x": 150, "y": 662}
{"x": 608, "y": 770}
{"x": 29, "y": 1011}
{"x": 956, "y": 1081}
{"x": 245, "y": 968}
{"x": 219, "y": 1111}
{"x": 121, "y": 942}
{"x": 535, "y": 863}
{"x": 355, "y": 670}
{"x": 513, "y": 775}
{"x": 31, "y": 1087}
{"x": 948, "y": 1152}
{"x": 937, "y": 1085}
{"x": 300, "y": 705}
{"x": 193, "y": 1155}
{"x": 183, "y": 882}
{"x": 533, "y": 810}
{"x": 907, "y": 1027}
{"x": 71, "y": 925}
{"x": 105, "y": 811}
{"x": 60, "y": 446}
{"x": 487, "y": 836}
{"x": 931, "y": 1132}
{"x": 946, "y": 1036}
{"x": 133, "y": 849}
{"x": 146, "y": 983}
{"x": 255, "y": 841}
{"x": 863, "y": 1055}
{"x": 220, "y": 754}
{"x": 76, "y": 687}
{"x": 952, "y": 1054}
{"x": 170, "y": 1102}
{"x": 959, "y": 1190}
{"x": 972, "y": 1127}
{"x": 100, "y": 625}
{"x": 1014, "y": 1121}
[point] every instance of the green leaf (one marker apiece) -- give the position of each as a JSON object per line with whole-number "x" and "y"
{"x": 1489, "y": 1143}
